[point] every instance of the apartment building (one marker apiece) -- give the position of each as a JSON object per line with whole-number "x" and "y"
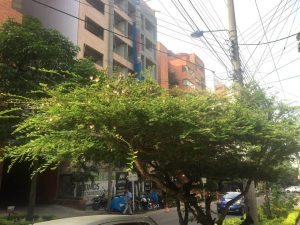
{"x": 10, "y": 9}
{"x": 87, "y": 24}
{"x": 182, "y": 70}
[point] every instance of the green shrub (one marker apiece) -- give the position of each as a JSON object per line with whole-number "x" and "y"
{"x": 232, "y": 221}
{"x": 291, "y": 219}
{"x": 280, "y": 204}
{"x": 276, "y": 221}
{"x": 12, "y": 222}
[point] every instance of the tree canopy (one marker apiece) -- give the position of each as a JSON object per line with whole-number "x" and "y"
{"x": 171, "y": 139}
{"x": 31, "y": 55}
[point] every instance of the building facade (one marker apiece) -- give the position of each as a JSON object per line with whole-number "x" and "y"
{"x": 182, "y": 70}
{"x": 10, "y": 9}
{"x": 87, "y": 24}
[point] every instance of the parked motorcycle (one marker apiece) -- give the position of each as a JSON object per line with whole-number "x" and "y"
{"x": 99, "y": 202}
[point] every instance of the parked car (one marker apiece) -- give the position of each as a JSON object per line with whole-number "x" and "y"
{"x": 293, "y": 189}
{"x": 102, "y": 219}
{"x": 237, "y": 207}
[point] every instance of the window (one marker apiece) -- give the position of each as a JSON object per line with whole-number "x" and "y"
{"x": 96, "y": 56}
{"x": 97, "y": 4}
{"x": 188, "y": 83}
{"x": 17, "y": 5}
{"x": 93, "y": 27}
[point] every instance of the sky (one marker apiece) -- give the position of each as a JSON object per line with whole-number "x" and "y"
{"x": 275, "y": 66}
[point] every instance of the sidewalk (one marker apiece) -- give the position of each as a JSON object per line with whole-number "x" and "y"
{"x": 57, "y": 211}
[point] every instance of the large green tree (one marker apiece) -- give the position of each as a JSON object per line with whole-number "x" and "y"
{"x": 31, "y": 55}
{"x": 172, "y": 139}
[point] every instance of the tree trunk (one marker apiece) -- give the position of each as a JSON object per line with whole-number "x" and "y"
{"x": 1, "y": 164}
{"x": 199, "y": 214}
{"x": 251, "y": 205}
{"x": 183, "y": 220}
{"x": 32, "y": 198}
{"x": 267, "y": 201}
{"x": 1, "y": 173}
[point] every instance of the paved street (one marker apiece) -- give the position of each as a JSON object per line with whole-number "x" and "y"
{"x": 171, "y": 218}
{"x": 163, "y": 218}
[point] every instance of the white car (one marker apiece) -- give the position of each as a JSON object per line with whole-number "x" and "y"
{"x": 102, "y": 219}
{"x": 293, "y": 189}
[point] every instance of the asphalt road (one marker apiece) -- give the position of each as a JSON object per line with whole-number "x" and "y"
{"x": 171, "y": 218}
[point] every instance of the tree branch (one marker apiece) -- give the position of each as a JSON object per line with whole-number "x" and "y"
{"x": 228, "y": 204}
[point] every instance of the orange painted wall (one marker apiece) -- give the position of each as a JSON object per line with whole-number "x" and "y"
{"x": 6, "y": 11}
{"x": 162, "y": 66}
{"x": 195, "y": 75}
{"x": 172, "y": 64}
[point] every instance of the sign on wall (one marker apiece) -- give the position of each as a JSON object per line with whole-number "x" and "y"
{"x": 121, "y": 183}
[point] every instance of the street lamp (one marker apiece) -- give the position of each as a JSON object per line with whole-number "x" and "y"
{"x": 200, "y": 33}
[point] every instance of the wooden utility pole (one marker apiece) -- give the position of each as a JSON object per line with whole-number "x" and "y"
{"x": 250, "y": 198}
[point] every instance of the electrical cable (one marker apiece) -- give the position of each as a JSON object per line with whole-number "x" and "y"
{"x": 253, "y": 29}
{"x": 207, "y": 27}
{"x": 216, "y": 24}
{"x": 265, "y": 34}
{"x": 279, "y": 22}
{"x": 121, "y": 35}
{"x": 294, "y": 60}
{"x": 270, "y": 42}
{"x": 285, "y": 45}
{"x": 203, "y": 36}
{"x": 263, "y": 57}
{"x": 213, "y": 52}
{"x": 181, "y": 26}
{"x": 252, "y": 54}
{"x": 288, "y": 78}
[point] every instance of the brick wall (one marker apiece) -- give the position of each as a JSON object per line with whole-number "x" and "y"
{"x": 6, "y": 11}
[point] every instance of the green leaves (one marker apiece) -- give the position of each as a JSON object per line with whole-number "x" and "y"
{"x": 121, "y": 120}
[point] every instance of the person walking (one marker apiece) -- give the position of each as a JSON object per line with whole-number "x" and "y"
{"x": 128, "y": 202}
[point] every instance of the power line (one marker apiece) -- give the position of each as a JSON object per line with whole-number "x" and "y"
{"x": 279, "y": 21}
{"x": 124, "y": 36}
{"x": 161, "y": 3}
{"x": 253, "y": 29}
{"x": 194, "y": 44}
{"x": 261, "y": 39}
{"x": 289, "y": 78}
{"x": 265, "y": 34}
{"x": 213, "y": 50}
{"x": 207, "y": 27}
{"x": 294, "y": 60}
{"x": 270, "y": 42}
{"x": 203, "y": 36}
{"x": 263, "y": 57}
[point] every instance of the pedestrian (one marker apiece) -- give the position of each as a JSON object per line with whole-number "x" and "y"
{"x": 128, "y": 202}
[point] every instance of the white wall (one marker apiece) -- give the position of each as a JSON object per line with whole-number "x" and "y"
{"x": 51, "y": 18}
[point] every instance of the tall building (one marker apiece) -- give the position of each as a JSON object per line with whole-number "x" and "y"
{"x": 10, "y": 9}
{"x": 182, "y": 70}
{"x": 87, "y": 24}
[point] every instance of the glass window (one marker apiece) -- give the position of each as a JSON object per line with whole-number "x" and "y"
{"x": 16, "y": 4}
{"x": 93, "y": 27}
{"x": 97, "y": 4}
{"x": 96, "y": 56}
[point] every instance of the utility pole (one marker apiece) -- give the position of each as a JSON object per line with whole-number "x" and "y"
{"x": 110, "y": 73}
{"x": 235, "y": 58}
{"x": 250, "y": 198}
